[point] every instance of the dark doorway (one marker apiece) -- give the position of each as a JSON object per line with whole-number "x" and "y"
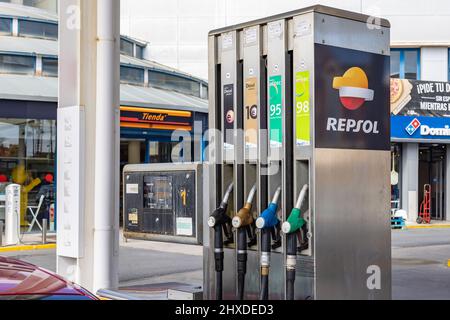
{"x": 432, "y": 160}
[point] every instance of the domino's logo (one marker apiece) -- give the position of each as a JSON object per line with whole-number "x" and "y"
{"x": 413, "y": 127}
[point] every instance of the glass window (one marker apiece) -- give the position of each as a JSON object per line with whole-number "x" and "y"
{"x": 204, "y": 92}
{"x": 38, "y": 29}
{"x": 126, "y": 47}
{"x": 411, "y": 64}
{"x": 396, "y": 152}
{"x": 161, "y": 152}
{"x": 139, "y": 52}
{"x": 27, "y": 158}
{"x": 50, "y": 67}
{"x": 132, "y": 75}
{"x": 5, "y": 26}
{"x": 173, "y": 82}
{"x": 395, "y": 64}
{"x": 405, "y": 64}
{"x": 17, "y": 64}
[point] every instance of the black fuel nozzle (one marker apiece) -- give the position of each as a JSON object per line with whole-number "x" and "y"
{"x": 220, "y": 221}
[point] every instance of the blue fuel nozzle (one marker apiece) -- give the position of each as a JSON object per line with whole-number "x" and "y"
{"x": 269, "y": 218}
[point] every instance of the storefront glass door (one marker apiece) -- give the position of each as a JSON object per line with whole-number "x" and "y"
{"x": 432, "y": 172}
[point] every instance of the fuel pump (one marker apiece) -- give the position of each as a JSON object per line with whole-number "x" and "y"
{"x": 268, "y": 223}
{"x": 242, "y": 222}
{"x": 292, "y": 227}
{"x": 220, "y": 222}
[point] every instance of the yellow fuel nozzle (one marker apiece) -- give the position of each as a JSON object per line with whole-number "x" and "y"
{"x": 244, "y": 217}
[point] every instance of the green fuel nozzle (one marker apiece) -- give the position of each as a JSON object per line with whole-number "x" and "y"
{"x": 295, "y": 221}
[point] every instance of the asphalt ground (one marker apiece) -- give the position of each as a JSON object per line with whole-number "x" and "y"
{"x": 420, "y": 260}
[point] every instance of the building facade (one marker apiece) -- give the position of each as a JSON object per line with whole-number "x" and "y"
{"x": 156, "y": 101}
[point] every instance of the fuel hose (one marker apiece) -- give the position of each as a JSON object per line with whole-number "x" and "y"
{"x": 291, "y": 227}
{"x": 218, "y": 221}
{"x": 267, "y": 222}
{"x": 241, "y": 221}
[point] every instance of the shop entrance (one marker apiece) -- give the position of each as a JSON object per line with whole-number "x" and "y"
{"x": 432, "y": 160}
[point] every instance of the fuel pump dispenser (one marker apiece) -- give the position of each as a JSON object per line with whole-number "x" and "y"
{"x": 292, "y": 228}
{"x": 280, "y": 95}
{"x": 242, "y": 222}
{"x": 268, "y": 223}
{"x": 221, "y": 223}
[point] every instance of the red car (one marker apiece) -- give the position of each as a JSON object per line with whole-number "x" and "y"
{"x": 23, "y": 281}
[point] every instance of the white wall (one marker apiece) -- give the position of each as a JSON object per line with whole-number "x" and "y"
{"x": 177, "y": 29}
{"x": 434, "y": 63}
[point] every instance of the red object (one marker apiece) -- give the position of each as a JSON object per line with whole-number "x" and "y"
{"x": 352, "y": 103}
{"x": 49, "y": 178}
{"x": 425, "y": 207}
{"x": 23, "y": 281}
{"x": 3, "y": 179}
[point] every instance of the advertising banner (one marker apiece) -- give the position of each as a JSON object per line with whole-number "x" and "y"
{"x": 229, "y": 116}
{"x": 352, "y": 99}
{"x": 251, "y": 113}
{"x": 303, "y": 108}
{"x": 276, "y": 112}
{"x": 420, "y": 98}
{"x": 423, "y": 128}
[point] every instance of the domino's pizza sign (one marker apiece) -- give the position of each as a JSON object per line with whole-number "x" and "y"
{"x": 420, "y": 128}
{"x": 413, "y": 127}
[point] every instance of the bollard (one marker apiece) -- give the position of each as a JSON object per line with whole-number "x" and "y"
{"x": 44, "y": 231}
{"x": 1, "y": 233}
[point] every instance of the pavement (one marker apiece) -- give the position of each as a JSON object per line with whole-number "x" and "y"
{"x": 420, "y": 259}
{"x": 420, "y": 269}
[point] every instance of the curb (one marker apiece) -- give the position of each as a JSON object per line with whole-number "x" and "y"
{"x": 28, "y": 248}
{"x": 438, "y": 226}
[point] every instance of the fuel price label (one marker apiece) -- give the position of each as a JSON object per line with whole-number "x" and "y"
{"x": 229, "y": 116}
{"x": 276, "y": 111}
{"x": 303, "y": 108}
{"x": 251, "y": 114}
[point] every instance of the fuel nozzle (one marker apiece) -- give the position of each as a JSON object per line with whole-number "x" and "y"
{"x": 268, "y": 223}
{"x": 242, "y": 222}
{"x": 295, "y": 221}
{"x": 244, "y": 217}
{"x": 219, "y": 216}
{"x": 219, "y": 221}
{"x": 268, "y": 219}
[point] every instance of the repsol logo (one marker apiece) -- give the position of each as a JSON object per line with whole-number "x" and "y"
{"x": 351, "y": 125}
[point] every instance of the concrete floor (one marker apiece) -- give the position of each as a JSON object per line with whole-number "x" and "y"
{"x": 419, "y": 264}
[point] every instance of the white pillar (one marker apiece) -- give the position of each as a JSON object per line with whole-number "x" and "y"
{"x": 106, "y": 142}
{"x": 89, "y": 77}
{"x": 410, "y": 180}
